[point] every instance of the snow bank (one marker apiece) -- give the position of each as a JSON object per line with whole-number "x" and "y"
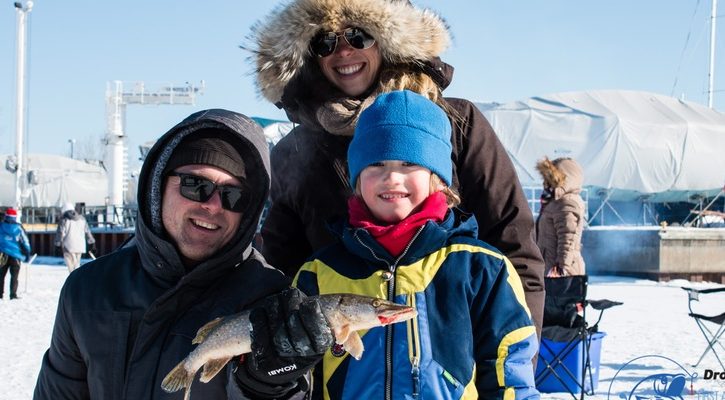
{"x": 652, "y": 328}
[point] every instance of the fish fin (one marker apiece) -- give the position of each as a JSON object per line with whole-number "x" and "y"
{"x": 354, "y": 345}
{"x": 341, "y": 334}
{"x": 204, "y": 330}
{"x": 178, "y": 378}
{"x": 212, "y": 367}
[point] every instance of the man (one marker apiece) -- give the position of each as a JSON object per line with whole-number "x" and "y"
{"x": 72, "y": 236}
{"x": 129, "y": 318}
{"x": 14, "y": 246}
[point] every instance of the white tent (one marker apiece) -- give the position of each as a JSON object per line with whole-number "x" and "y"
{"x": 274, "y": 130}
{"x": 54, "y": 180}
{"x": 631, "y": 144}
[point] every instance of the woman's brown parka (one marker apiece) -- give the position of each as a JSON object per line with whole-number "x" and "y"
{"x": 561, "y": 220}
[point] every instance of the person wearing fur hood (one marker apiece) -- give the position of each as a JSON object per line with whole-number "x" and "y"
{"x": 324, "y": 62}
{"x": 561, "y": 220}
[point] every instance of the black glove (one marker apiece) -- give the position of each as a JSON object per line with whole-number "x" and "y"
{"x": 91, "y": 247}
{"x": 289, "y": 336}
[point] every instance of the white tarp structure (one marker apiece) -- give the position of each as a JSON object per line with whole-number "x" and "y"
{"x": 632, "y": 144}
{"x": 274, "y": 130}
{"x": 53, "y": 180}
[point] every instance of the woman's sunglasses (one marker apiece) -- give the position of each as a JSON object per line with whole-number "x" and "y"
{"x": 325, "y": 43}
{"x": 197, "y": 188}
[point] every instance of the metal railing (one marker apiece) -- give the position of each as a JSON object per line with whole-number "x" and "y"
{"x": 533, "y": 197}
{"x": 98, "y": 218}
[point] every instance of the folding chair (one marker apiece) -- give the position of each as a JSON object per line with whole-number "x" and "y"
{"x": 567, "y": 337}
{"x": 713, "y": 333}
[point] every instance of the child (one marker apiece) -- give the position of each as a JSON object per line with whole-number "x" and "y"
{"x": 473, "y": 336}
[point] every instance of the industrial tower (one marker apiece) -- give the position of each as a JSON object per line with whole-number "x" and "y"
{"x": 17, "y": 164}
{"x": 118, "y": 95}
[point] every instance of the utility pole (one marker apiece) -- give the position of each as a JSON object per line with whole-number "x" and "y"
{"x": 23, "y": 8}
{"x": 72, "y": 144}
{"x": 711, "y": 74}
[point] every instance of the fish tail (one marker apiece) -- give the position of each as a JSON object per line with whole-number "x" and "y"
{"x": 178, "y": 378}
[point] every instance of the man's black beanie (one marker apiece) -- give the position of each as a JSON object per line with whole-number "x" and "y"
{"x": 207, "y": 147}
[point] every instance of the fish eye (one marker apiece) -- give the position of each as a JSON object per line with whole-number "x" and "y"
{"x": 376, "y": 303}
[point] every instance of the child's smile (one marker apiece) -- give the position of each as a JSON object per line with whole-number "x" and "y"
{"x": 393, "y": 189}
{"x": 393, "y": 195}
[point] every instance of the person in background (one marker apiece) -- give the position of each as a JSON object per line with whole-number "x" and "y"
{"x": 73, "y": 237}
{"x": 403, "y": 241}
{"x": 323, "y": 62}
{"x": 561, "y": 219}
{"x": 128, "y": 318}
{"x": 14, "y": 247}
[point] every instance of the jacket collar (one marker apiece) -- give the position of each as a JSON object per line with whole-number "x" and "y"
{"x": 431, "y": 237}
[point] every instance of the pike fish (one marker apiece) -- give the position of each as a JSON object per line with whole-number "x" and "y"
{"x": 226, "y": 337}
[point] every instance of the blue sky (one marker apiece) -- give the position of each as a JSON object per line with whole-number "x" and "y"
{"x": 503, "y": 50}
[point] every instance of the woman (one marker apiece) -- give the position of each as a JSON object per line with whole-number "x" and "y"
{"x": 323, "y": 62}
{"x": 561, "y": 220}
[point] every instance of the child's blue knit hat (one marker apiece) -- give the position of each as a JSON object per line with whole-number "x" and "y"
{"x": 406, "y": 126}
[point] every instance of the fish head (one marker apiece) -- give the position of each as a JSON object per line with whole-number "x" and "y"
{"x": 362, "y": 312}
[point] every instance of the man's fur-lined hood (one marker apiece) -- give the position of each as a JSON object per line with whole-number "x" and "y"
{"x": 563, "y": 174}
{"x": 404, "y": 34}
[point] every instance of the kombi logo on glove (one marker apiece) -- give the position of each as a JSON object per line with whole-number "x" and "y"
{"x": 283, "y": 370}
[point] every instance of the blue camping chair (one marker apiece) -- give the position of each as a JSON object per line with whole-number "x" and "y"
{"x": 568, "y": 343}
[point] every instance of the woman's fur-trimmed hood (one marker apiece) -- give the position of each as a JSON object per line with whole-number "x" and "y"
{"x": 561, "y": 175}
{"x": 404, "y": 34}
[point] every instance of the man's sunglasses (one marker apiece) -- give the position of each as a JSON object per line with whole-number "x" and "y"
{"x": 325, "y": 43}
{"x": 197, "y": 188}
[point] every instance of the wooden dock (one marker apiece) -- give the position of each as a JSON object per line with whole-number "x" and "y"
{"x": 662, "y": 254}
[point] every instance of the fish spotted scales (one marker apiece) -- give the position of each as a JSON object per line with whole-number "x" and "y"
{"x": 225, "y": 337}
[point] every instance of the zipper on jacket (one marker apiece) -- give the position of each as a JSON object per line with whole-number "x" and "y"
{"x": 415, "y": 372}
{"x": 391, "y": 295}
{"x": 389, "y": 276}
{"x": 414, "y": 349}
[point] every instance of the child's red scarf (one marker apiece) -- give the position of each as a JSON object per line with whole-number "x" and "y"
{"x": 395, "y": 237}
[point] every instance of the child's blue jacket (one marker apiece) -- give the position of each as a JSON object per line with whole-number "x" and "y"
{"x": 472, "y": 338}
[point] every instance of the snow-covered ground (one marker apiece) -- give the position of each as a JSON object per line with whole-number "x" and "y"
{"x": 652, "y": 328}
